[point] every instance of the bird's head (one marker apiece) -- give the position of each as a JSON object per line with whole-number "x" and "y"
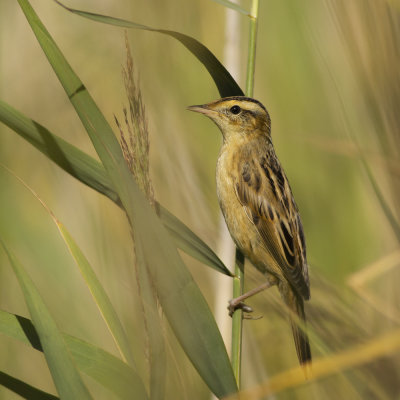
{"x": 237, "y": 115}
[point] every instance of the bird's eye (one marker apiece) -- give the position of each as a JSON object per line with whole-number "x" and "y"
{"x": 235, "y": 110}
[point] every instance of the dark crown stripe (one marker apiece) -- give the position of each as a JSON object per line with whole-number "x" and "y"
{"x": 244, "y": 98}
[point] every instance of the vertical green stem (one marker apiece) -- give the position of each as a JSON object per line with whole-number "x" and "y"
{"x": 237, "y": 318}
{"x": 238, "y": 280}
{"x": 251, "y": 56}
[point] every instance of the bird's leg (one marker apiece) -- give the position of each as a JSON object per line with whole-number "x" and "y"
{"x": 237, "y": 303}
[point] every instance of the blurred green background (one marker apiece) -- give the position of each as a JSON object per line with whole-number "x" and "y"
{"x": 327, "y": 71}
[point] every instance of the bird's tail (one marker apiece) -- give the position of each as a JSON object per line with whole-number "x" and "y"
{"x": 298, "y": 323}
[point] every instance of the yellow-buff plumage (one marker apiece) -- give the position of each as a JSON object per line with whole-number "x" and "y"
{"x": 259, "y": 209}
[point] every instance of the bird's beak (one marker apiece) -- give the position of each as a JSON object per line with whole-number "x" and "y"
{"x": 203, "y": 109}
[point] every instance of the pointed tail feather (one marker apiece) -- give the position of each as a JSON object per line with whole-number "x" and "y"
{"x": 296, "y": 306}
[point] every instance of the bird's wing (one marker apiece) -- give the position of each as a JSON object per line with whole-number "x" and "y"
{"x": 263, "y": 190}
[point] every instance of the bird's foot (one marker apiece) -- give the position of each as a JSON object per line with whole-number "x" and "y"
{"x": 234, "y": 305}
{"x": 239, "y": 305}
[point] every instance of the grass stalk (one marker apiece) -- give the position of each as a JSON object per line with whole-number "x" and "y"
{"x": 237, "y": 317}
{"x": 251, "y": 56}
{"x": 238, "y": 281}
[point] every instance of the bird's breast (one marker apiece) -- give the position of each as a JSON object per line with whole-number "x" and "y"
{"x": 238, "y": 223}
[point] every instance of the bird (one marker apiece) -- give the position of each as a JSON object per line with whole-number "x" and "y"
{"x": 259, "y": 208}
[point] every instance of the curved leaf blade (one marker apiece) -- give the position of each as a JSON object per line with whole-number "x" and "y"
{"x": 68, "y": 157}
{"x": 226, "y": 85}
{"x": 91, "y": 172}
{"x": 189, "y": 242}
{"x": 154, "y": 328}
{"x": 24, "y": 389}
{"x": 66, "y": 378}
{"x": 106, "y": 369}
{"x": 99, "y": 295}
{"x": 181, "y": 299}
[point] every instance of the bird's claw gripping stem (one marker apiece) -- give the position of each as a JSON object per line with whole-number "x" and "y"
{"x": 238, "y": 305}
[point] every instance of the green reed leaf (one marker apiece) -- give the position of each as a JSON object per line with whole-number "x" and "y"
{"x": 66, "y": 378}
{"x": 99, "y": 294}
{"x": 190, "y": 243}
{"x": 183, "y": 304}
{"x": 90, "y": 172}
{"x": 106, "y": 369}
{"x": 154, "y": 328}
{"x": 226, "y": 85}
{"x": 68, "y": 157}
{"x": 24, "y": 389}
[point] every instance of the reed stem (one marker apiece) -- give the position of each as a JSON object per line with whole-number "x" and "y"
{"x": 238, "y": 280}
